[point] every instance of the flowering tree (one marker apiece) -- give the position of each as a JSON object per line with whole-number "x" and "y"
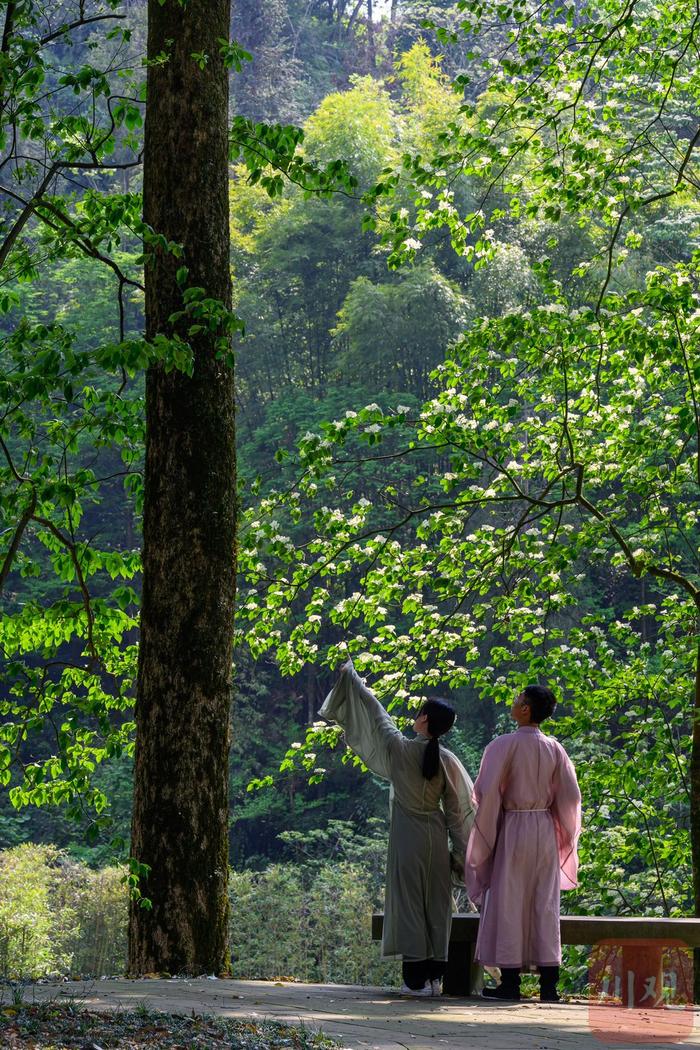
{"x": 552, "y": 530}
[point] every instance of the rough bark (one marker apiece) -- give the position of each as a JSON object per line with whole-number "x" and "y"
{"x": 184, "y": 681}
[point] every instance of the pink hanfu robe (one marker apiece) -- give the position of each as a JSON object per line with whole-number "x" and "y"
{"x": 522, "y": 848}
{"x": 430, "y": 821}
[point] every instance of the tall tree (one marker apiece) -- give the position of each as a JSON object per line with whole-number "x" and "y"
{"x": 179, "y": 826}
{"x": 71, "y": 429}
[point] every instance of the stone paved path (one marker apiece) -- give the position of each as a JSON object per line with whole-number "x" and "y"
{"x": 377, "y": 1019}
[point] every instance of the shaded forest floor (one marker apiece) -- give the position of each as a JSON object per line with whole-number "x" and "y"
{"x": 227, "y": 1014}
{"x": 59, "y": 1026}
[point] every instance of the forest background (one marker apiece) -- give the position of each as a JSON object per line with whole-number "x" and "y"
{"x": 333, "y": 333}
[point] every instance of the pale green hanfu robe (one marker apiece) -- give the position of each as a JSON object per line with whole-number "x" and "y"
{"x": 430, "y": 821}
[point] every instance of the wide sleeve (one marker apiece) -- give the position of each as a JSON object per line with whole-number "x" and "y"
{"x": 369, "y": 730}
{"x": 488, "y": 791}
{"x": 459, "y": 808}
{"x": 566, "y": 813}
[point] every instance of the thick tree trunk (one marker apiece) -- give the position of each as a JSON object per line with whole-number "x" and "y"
{"x": 184, "y": 681}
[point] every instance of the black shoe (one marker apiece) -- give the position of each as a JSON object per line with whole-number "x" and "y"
{"x": 549, "y": 975}
{"x": 504, "y": 992}
{"x": 548, "y": 979}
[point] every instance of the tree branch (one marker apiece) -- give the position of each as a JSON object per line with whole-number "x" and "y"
{"x": 17, "y": 539}
{"x": 77, "y": 24}
{"x": 9, "y": 26}
{"x": 71, "y": 548}
{"x": 28, "y": 208}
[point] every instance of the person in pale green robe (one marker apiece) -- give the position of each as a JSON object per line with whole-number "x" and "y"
{"x": 431, "y": 817}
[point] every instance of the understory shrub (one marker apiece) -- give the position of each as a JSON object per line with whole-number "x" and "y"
{"x": 36, "y": 922}
{"x": 99, "y": 945}
{"x": 58, "y": 916}
{"x": 307, "y": 922}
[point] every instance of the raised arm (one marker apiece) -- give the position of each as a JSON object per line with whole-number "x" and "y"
{"x": 369, "y": 730}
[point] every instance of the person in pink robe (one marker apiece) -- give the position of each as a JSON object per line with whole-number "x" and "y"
{"x": 522, "y": 849}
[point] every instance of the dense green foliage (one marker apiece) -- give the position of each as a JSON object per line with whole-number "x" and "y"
{"x": 60, "y": 917}
{"x": 72, "y": 385}
{"x": 550, "y": 525}
{"x": 74, "y": 418}
{"x": 510, "y": 488}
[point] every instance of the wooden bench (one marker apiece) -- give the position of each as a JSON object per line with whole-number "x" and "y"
{"x": 641, "y": 956}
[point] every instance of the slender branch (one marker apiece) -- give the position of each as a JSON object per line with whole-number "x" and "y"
{"x": 353, "y": 16}
{"x": 102, "y": 165}
{"x": 81, "y": 238}
{"x": 541, "y": 501}
{"x": 17, "y": 539}
{"x": 86, "y": 244}
{"x": 9, "y": 26}
{"x": 361, "y": 460}
{"x": 17, "y": 476}
{"x": 24, "y": 216}
{"x": 87, "y": 602}
{"x": 635, "y": 565}
{"x": 565, "y": 423}
{"x": 610, "y": 252}
{"x": 78, "y": 24}
{"x": 693, "y": 393}
{"x": 650, "y": 837}
{"x": 281, "y": 168}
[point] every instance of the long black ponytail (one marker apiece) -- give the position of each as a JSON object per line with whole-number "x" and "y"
{"x": 441, "y": 716}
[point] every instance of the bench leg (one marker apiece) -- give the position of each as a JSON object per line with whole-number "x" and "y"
{"x": 463, "y": 976}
